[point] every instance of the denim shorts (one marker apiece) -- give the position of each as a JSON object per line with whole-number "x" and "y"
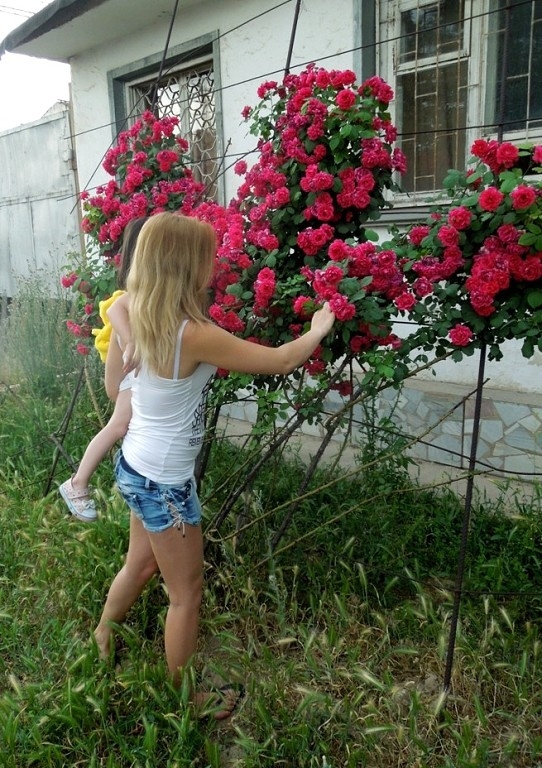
{"x": 158, "y": 506}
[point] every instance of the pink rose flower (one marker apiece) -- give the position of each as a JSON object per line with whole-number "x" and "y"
{"x": 68, "y": 280}
{"x": 303, "y": 307}
{"x": 345, "y": 99}
{"x": 507, "y": 155}
{"x": 342, "y": 308}
{"x": 418, "y": 233}
{"x": 490, "y": 199}
{"x": 448, "y": 235}
{"x": 405, "y": 301}
{"x": 522, "y": 196}
{"x": 338, "y": 250}
{"x": 460, "y": 335}
{"x": 460, "y": 218}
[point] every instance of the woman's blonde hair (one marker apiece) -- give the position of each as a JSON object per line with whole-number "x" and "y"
{"x": 168, "y": 280}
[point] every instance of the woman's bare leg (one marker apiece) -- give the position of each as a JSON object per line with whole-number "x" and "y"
{"x": 138, "y": 569}
{"x": 180, "y": 559}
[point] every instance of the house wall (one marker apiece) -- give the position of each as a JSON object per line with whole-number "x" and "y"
{"x": 250, "y": 53}
{"x": 39, "y": 222}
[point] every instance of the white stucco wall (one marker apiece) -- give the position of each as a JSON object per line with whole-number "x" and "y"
{"x": 253, "y": 51}
{"x": 513, "y": 373}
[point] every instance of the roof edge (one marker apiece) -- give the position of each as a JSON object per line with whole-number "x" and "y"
{"x": 53, "y": 16}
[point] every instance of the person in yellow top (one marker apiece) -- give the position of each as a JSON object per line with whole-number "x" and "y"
{"x": 75, "y": 491}
{"x": 103, "y": 335}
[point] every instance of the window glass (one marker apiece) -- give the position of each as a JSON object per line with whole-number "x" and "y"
{"x": 431, "y": 30}
{"x": 436, "y": 102}
{"x": 515, "y": 43}
{"x": 431, "y": 92}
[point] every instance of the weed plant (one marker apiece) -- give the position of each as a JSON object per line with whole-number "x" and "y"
{"x": 340, "y": 636}
{"x": 35, "y": 349}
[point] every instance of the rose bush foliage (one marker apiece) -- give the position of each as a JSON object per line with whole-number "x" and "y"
{"x": 326, "y": 159}
{"x": 475, "y": 266}
{"x": 150, "y": 170}
{"x": 298, "y": 232}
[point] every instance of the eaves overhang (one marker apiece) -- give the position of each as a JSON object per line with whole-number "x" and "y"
{"x": 67, "y": 28}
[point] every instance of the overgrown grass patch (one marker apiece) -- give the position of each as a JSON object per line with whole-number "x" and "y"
{"x": 340, "y": 636}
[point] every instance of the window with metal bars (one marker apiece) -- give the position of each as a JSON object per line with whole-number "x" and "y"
{"x": 460, "y": 69}
{"x": 189, "y": 94}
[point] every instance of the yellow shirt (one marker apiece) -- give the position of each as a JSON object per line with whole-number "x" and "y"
{"x": 103, "y": 335}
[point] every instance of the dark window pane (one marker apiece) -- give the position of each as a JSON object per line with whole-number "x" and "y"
{"x": 516, "y": 38}
{"x": 431, "y": 30}
{"x": 433, "y": 118}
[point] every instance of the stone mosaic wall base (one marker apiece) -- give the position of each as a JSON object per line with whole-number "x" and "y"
{"x": 510, "y": 436}
{"x": 440, "y": 415}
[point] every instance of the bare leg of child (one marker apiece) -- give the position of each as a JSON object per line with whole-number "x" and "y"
{"x": 75, "y": 491}
{"x": 97, "y": 449}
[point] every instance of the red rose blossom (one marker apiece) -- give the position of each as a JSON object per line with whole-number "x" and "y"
{"x": 490, "y": 199}
{"x": 460, "y": 335}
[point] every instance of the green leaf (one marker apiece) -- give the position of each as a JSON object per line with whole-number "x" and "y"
{"x": 527, "y": 239}
{"x": 508, "y": 185}
{"x": 527, "y": 350}
{"x": 534, "y": 298}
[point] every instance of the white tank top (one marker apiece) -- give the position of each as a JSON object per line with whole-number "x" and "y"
{"x": 167, "y": 426}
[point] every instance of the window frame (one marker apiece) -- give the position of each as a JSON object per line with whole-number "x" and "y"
{"x": 191, "y": 53}
{"x": 476, "y": 15}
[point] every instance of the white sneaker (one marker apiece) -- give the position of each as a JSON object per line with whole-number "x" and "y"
{"x": 78, "y": 502}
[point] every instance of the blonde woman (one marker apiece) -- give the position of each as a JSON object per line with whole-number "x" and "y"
{"x": 177, "y": 350}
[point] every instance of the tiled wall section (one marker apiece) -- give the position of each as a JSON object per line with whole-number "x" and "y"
{"x": 510, "y": 432}
{"x": 440, "y": 415}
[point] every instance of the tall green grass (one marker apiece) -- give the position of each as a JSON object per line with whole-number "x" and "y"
{"x": 340, "y": 637}
{"x": 35, "y": 349}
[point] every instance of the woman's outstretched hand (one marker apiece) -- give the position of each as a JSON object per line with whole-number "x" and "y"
{"x": 322, "y": 320}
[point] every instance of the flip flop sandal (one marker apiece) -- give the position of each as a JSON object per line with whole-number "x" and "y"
{"x": 78, "y": 502}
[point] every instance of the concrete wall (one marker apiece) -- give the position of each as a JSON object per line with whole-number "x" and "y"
{"x": 39, "y": 221}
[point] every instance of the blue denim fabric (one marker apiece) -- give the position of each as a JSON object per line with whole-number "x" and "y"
{"x": 158, "y": 506}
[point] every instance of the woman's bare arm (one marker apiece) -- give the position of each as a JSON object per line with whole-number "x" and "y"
{"x": 119, "y": 316}
{"x": 210, "y": 344}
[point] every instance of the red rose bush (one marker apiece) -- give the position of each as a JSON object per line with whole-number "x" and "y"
{"x": 150, "y": 170}
{"x": 326, "y": 159}
{"x": 475, "y": 266}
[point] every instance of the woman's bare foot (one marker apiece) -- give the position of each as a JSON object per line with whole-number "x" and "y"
{"x": 220, "y": 703}
{"x": 103, "y": 640}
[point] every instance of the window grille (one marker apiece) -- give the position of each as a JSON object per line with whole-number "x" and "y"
{"x": 189, "y": 95}
{"x": 431, "y": 91}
